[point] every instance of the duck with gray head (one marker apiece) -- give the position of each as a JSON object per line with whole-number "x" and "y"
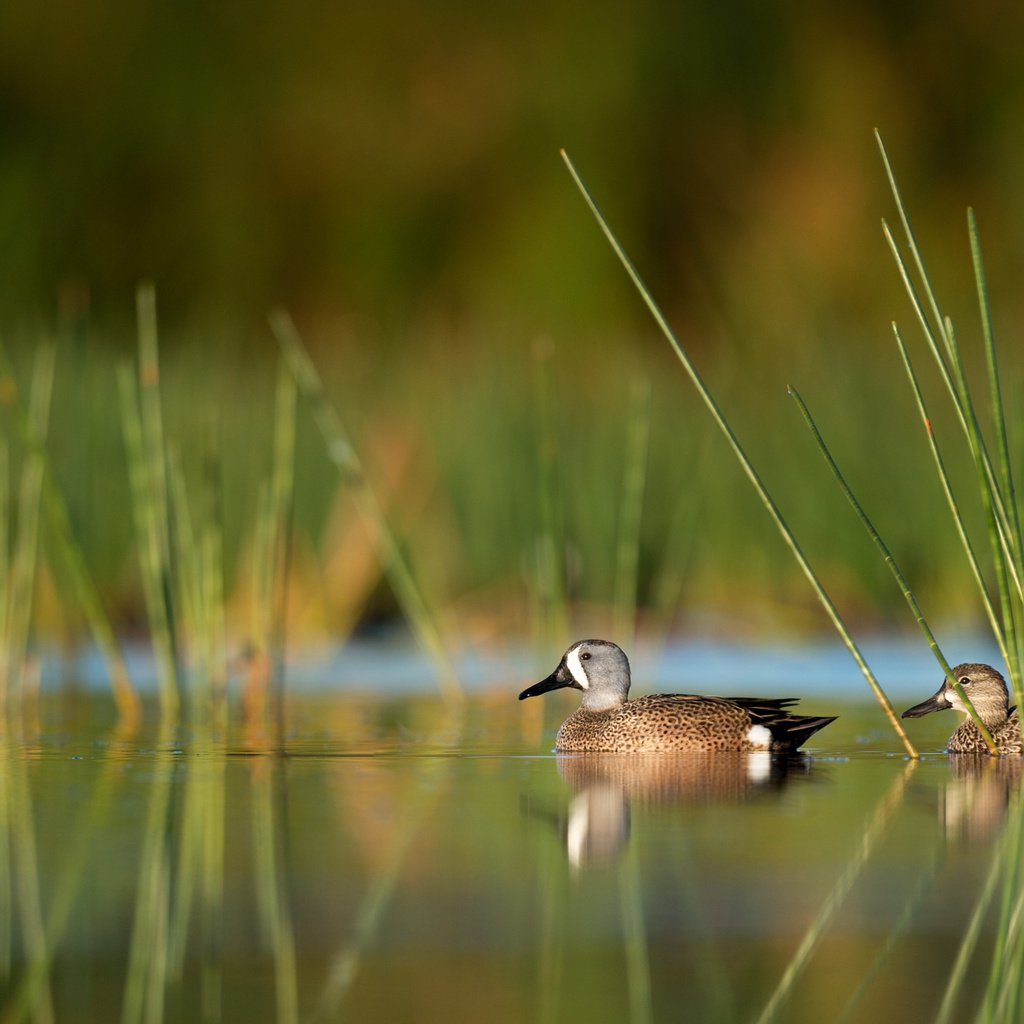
{"x": 987, "y": 692}
{"x": 607, "y": 721}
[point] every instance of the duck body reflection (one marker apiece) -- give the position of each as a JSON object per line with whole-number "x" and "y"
{"x": 596, "y": 827}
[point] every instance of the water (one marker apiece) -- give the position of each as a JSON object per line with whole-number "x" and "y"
{"x": 404, "y": 862}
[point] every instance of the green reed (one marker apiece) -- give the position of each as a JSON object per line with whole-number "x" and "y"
{"x": 748, "y": 468}
{"x": 549, "y": 576}
{"x": 68, "y": 550}
{"x": 346, "y": 461}
{"x": 20, "y": 568}
{"x": 270, "y": 555}
{"x": 996, "y": 488}
{"x": 890, "y": 561}
{"x": 631, "y": 504}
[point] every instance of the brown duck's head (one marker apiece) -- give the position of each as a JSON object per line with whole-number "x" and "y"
{"x": 985, "y": 689}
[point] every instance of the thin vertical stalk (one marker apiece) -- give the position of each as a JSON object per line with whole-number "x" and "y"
{"x": 995, "y": 391}
{"x": 551, "y": 602}
{"x": 995, "y": 485}
{"x": 270, "y": 551}
{"x": 6, "y": 649}
{"x": 744, "y": 461}
{"x": 890, "y": 561}
{"x": 69, "y": 552}
{"x": 631, "y": 506}
{"x": 345, "y": 460}
{"x": 26, "y": 545}
{"x": 210, "y": 538}
{"x": 282, "y": 497}
{"x": 947, "y": 489}
{"x": 148, "y": 531}
{"x": 959, "y": 395}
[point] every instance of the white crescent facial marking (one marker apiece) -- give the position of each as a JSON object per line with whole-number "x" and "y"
{"x": 760, "y": 737}
{"x": 954, "y": 700}
{"x": 575, "y": 666}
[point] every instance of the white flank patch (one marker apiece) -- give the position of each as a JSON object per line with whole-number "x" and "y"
{"x": 760, "y": 737}
{"x": 572, "y": 660}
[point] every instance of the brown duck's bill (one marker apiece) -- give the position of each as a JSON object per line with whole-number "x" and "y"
{"x": 938, "y": 702}
{"x": 555, "y": 681}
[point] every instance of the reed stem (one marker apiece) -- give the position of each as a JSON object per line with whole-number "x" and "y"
{"x": 744, "y": 461}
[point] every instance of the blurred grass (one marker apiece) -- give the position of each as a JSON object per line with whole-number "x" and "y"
{"x": 390, "y": 176}
{"x": 453, "y": 448}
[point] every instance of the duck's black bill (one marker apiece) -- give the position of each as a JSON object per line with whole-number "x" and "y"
{"x": 926, "y": 707}
{"x": 555, "y": 681}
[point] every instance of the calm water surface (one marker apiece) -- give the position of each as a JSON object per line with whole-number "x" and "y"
{"x": 395, "y": 860}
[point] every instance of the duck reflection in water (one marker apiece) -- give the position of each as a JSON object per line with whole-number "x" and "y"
{"x": 974, "y": 802}
{"x": 596, "y": 825}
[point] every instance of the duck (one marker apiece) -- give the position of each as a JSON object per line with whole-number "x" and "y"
{"x": 987, "y": 691}
{"x": 607, "y": 721}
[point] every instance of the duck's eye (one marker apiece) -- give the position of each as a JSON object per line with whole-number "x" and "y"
{"x": 585, "y": 656}
{"x": 965, "y": 680}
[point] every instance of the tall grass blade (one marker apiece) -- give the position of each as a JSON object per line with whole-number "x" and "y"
{"x": 747, "y": 466}
{"x": 890, "y": 561}
{"x": 551, "y": 589}
{"x": 959, "y": 395}
{"x": 69, "y": 553}
{"x": 631, "y": 506}
{"x": 1002, "y": 443}
{"x": 26, "y": 544}
{"x": 270, "y": 557}
{"x": 6, "y": 651}
{"x": 344, "y": 458}
{"x": 951, "y": 501}
{"x": 951, "y": 369}
{"x": 995, "y": 487}
{"x": 148, "y": 528}
{"x": 282, "y": 495}
{"x": 995, "y": 390}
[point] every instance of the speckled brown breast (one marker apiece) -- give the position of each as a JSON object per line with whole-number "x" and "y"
{"x": 666, "y": 722}
{"x": 967, "y": 738}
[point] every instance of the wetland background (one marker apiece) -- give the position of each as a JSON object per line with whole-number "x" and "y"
{"x": 303, "y": 820}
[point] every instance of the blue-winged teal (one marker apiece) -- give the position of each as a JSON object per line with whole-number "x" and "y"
{"x": 607, "y": 721}
{"x": 986, "y": 690}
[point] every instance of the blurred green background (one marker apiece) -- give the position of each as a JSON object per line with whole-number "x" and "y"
{"x": 390, "y": 174}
